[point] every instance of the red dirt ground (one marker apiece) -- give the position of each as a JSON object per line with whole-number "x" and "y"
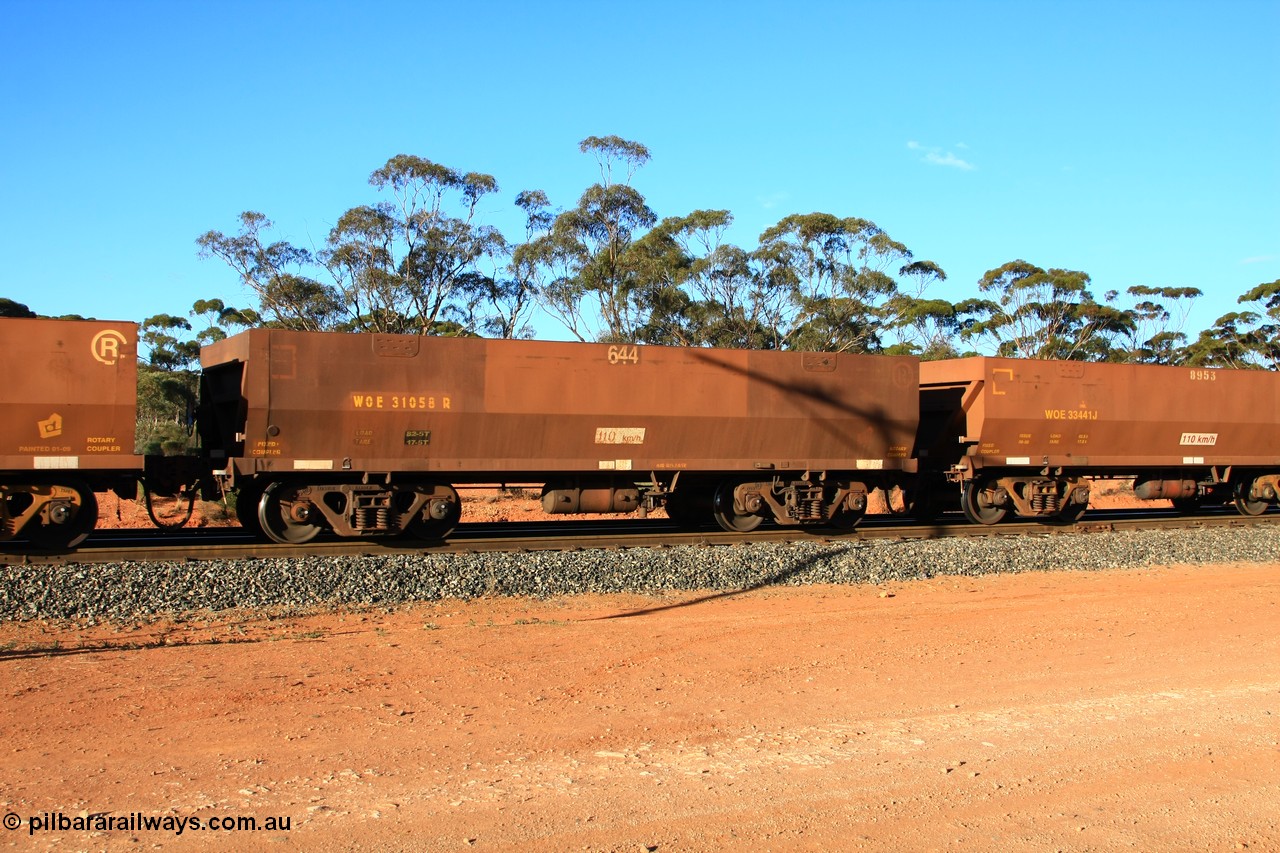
{"x": 1066, "y": 711}
{"x": 1124, "y": 710}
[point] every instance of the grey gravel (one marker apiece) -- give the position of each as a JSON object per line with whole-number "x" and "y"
{"x": 137, "y": 590}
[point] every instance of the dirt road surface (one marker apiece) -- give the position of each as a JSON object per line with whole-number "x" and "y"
{"x": 1125, "y": 710}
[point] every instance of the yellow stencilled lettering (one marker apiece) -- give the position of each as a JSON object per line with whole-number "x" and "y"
{"x": 624, "y": 355}
{"x": 101, "y": 444}
{"x": 401, "y": 402}
{"x": 1055, "y": 438}
{"x": 266, "y": 448}
{"x": 1203, "y": 375}
{"x": 1070, "y": 414}
{"x": 1082, "y": 438}
{"x": 1024, "y": 438}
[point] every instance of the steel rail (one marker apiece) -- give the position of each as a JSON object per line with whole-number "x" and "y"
{"x": 146, "y": 545}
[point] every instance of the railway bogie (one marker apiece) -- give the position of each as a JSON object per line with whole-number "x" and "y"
{"x": 295, "y": 512}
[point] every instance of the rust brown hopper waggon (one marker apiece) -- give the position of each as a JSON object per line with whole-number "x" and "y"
{"x": 69, "y": 403}
{"x": 371, "y": 434}
{"x": 69, "y": 398}
{"x": 1023, "y": 437}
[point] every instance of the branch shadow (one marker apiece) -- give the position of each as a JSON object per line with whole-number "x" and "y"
{"x": 168, "y": 641}
{"x": 775, "y": 579}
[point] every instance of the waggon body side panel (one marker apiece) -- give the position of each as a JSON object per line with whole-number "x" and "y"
{"x": 1084, "y": 416}
{"x": 328, "y": 401}
{"x": 69, "y": 395}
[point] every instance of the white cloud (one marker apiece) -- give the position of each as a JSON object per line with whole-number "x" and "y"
{"x": 938, "y": 156}
{"x": 948, "y": 159}
{"x": 1258, "y": 259}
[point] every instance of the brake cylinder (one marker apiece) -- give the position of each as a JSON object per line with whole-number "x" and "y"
{"x": 1154, "y": 490}
{"x": 594, "y": 499}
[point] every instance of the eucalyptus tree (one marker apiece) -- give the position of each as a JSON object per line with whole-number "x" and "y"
{"x": 657, "y": 267}
{"x": 502, "y": 300}
{"x": 917, "y": 324}
{"x": 1229, "y": 342}
{"x": 1158, "y": 316}
{"x": 588, "y": 277}
{"x": 738, "y": 308}
{"x": 168, "y": 377}
{"x": 168, "y": 346}
{"x": 728, "y": 303}
{"x": 1037, "y": 313}
{"x": 275, "y": 273}
{"x": 410, "y": 264}
{"x": 1266, "y": 334}
{"x": 10, "y": 308}
{"x": 834, "y": 272}
{"x": 695, "y": 288}
{"x": 1243, "y": 339}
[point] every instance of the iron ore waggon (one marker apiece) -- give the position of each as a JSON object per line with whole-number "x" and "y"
{"x": 69, "y": 398}
{"x": 1024, "y": 437}
{"x": 371, "y": 434}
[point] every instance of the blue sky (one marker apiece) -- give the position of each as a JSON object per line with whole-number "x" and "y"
{"x": 1136, "y": 141}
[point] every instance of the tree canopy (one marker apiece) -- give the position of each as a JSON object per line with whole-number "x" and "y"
{"x": 422, "y": 258}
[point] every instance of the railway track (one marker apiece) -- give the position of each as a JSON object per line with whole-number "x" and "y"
{"x": 149, "y": 545}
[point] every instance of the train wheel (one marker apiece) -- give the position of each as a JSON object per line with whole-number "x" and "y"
{"x": 727, "y": 517}
{"x": 284, "y": 519}
{"x": 428, "y": 527}
{"x": 247, "y": 499}
{"x": 69, "y": 522}
{"x": 1244, "y": 504}
{"x": 689, "y": 509}
{"x": 978, "y": 511}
